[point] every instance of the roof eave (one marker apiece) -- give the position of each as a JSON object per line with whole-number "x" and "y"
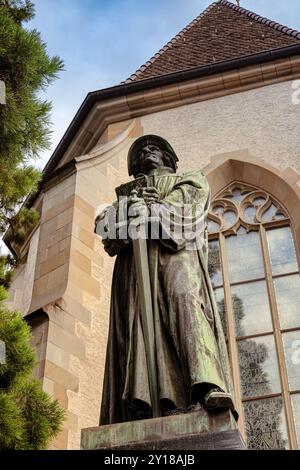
{"x": 146, "y": 84}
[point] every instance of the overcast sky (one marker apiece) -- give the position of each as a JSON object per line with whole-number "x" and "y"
{"x": 103, "y": 41}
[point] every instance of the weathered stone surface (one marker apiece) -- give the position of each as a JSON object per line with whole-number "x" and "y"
{"x": 191, "y": 431}
{"x": 263, "y": 120}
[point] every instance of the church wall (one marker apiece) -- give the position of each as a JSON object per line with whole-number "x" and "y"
{"x": 262, "y": 123}
{"x": 70, "y": 282}
{"x": 72, "y": 273}
{"x": 20, "y": 292}
{"x": 54, "y": 243}
{"x": 78, "y": 306}
{"x": 264, "y": 120}
{"x": 39, "y": 322}
{"x": 89, "y": 288}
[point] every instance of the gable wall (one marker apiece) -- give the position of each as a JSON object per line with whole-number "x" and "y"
{"x": 265, "y": 121}
{"x": 72, "y": 272}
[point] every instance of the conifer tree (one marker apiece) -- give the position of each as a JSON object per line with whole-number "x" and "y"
{"x": 29, "y": 418}
{"x": 26, "y": 69}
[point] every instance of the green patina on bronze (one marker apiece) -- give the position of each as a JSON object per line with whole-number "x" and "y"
{"x": 189, "y": 347}
{"x": 197, "y": 430}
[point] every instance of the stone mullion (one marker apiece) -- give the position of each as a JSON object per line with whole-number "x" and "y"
{"x": 232, "y": 346}
{"x": 278, "y": 342}
{"x": 296, "y": 245}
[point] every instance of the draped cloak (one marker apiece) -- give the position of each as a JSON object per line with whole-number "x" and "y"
{"x": 190, "y": 347}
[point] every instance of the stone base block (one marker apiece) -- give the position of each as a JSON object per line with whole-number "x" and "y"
{"x": 198, "y": 430}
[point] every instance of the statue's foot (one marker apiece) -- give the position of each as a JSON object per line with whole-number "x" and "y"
{"x": 216, "y": 399}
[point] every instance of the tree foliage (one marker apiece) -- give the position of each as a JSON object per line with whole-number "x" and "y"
{"x": 29, "y": 418}
{"x": 26, "y": 69}
{"x": 18, "y": 9}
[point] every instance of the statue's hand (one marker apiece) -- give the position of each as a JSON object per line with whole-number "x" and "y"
{"x": 113, "y": 247}
{"x": 137, "y": 206}
{"x": 150, "y": 195}
{"x": 102, "y": 220}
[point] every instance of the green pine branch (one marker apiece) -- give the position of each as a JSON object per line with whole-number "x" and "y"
{"x": 29, "y": 418}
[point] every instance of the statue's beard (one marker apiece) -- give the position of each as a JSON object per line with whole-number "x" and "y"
{"x": 150, "y": 166}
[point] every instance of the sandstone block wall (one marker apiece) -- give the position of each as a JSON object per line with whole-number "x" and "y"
{"x": 70, "y": 272}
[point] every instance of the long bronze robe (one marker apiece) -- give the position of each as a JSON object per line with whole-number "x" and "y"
{"x": 190, "y": 346}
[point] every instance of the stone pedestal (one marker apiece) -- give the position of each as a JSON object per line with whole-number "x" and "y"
{"x": 198, "y": 430}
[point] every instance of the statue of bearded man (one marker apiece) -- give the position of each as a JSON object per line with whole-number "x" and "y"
{"x": 189, "y": 351}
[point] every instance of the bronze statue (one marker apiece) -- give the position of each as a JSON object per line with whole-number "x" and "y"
{"x": 166, "y": 350}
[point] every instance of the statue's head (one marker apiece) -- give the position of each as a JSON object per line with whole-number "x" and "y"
{"x": 148, "y": 153}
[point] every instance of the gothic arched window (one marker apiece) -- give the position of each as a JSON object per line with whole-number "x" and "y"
{"x": 255, "y": 273}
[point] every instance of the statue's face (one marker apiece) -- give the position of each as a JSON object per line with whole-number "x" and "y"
{"x": 151, "y": 157}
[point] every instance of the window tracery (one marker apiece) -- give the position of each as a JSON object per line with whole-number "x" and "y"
{"x": 255, "y": 273}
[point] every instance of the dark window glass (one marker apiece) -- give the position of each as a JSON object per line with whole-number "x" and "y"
{"x": 287, "y": 290}
{"x": 282, "y": 250}
{"x": 219, "y": 294}
{"x": 251, "y": 309}
{"x": 265, "y": 424}
{"x": 258, "y": 366}
{"x": 291, "y": 344}
{"x": 244, "y": 256}
{"x": 214, "y": 263}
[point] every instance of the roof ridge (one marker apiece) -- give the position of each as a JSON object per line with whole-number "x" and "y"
{"x": 261, "y": 19}
{"x": 169, "y": 43}
{"x": 286, "y": 32}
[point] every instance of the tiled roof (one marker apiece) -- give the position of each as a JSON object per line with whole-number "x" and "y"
{"x": 222, "y": 32}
